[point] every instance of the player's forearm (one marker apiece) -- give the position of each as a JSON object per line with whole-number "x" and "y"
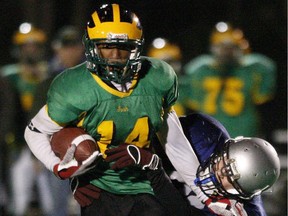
{"x": 167, "y": 194}
{"x": 180, "y": 152}
{"x": 40, "y": 146}
{"x": 37, "y": 136}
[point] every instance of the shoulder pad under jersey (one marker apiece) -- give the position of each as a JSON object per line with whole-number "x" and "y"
{"x": 197, "y": 63}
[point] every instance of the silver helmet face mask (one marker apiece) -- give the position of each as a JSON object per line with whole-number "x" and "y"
{"x": 251, "y": 166}
{"x": 208, "y": 176}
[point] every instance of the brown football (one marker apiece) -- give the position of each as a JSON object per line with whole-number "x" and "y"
{"x": 64, "y": 138}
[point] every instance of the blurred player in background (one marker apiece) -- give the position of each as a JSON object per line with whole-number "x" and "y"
{"x": 161, "y": 48}
{"x": 24, "y": 76}
{"x": 68, "y": 51}
{"x": 230, "y": 83}
{"x": 7, "y": 116}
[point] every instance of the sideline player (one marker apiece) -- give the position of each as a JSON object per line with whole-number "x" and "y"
{"x": 30, "y": 68}
{"x": 229, "y": 83}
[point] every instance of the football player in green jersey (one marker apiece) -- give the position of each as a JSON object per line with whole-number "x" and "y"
{"x": 122, "y": 100}
{"x": 230, "y": 83}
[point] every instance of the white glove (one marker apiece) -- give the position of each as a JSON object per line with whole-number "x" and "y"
{"x": 69, "y": 166}
{"x": 225, "y": 207}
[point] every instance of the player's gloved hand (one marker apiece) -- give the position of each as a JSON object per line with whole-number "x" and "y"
{"x": 225, "y": 207}
{"x": 70, "y": 167}
{"x": 130, "y": 155}
{"x": 83, "y": 191}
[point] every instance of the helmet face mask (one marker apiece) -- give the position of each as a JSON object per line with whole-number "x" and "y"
{"x": 113, "y": 27}
{"x": 227, "y": 54}
{"x": 245, "y": 167}
{"x": 214, "y": 178}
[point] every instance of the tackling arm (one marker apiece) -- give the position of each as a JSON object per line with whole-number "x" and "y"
{"x": 179, "y": 151}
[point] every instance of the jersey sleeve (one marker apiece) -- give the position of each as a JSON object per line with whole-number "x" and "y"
{"x": 265, "y": 79}
{"x": 172, "y": 94}
{"x": 178, "y": 148}
{"x": 61, "y": 112}
{"x": 164, "y": 79}
{"x": 255, "y": 206}
{"x": 264, "y": 76}
{"x": 65, "y": 98}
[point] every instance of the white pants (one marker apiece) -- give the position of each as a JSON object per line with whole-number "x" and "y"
{"x": 25, "y": 173}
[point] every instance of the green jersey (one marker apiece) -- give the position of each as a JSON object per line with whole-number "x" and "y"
{"x": 230, "y": 96}
{"x": 77, "y": 96}
{"x": 24, "y": 82}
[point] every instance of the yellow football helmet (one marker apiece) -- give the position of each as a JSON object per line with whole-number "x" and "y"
{"x": 113, "y": 24}
{"x": 163, "y": 49}
{"x": 225, "y": 33}
{"x": 27, "y": 33}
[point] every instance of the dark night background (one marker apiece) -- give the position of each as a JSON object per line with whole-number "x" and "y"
{"x": 185, "y": 22}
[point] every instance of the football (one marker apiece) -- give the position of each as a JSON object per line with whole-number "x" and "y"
{"x": 63, "y": 139}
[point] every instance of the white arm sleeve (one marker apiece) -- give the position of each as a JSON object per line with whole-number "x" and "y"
{"x": 179, "y": 151}
{"x": 37, "y": 135}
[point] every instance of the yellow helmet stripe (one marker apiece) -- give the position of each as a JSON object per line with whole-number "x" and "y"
{"x": 96, "y": 18}
{"x": 116, "y": 13}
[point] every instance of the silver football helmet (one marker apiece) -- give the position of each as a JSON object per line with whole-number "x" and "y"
{"x": 251, "y": 166}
